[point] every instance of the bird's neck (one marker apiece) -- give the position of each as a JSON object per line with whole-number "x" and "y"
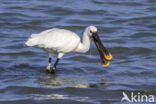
{"x": 85, "y": 45}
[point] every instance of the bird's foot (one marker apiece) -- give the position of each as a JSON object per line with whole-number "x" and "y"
{"x": 52, "y": 71}
{"x": 47, "y": 70}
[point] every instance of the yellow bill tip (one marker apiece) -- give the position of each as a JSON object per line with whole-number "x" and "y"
{"x": 108, "y": 57}
{"x": 106, "y": 64}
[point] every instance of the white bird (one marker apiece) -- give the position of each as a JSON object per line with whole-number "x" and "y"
{"x": 60, "y": 41}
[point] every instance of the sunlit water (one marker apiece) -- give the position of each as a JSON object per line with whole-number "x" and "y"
{"x": 126, "y": 27}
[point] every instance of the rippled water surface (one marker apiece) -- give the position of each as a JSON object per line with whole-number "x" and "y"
{"x": 126, "y": 27}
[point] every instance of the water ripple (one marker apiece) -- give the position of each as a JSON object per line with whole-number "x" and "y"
{"x": 126, "y": 28}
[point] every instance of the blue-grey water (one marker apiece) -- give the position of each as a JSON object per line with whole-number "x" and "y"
{"x": 126, "y": 27}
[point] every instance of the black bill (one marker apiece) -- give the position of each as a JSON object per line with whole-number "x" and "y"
{"x": 105, "y": 55}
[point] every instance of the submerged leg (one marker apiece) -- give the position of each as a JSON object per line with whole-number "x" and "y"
{"x": 56, "y": 63}
{"x": 49, "y": 65}
{"x": 54, "y": 68}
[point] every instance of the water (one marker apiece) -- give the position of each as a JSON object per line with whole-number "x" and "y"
{"x": 127, "y": 28}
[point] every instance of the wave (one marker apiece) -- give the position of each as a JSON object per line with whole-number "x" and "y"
{"x": 143, "y": 34}
{"x": 132, "y": 50}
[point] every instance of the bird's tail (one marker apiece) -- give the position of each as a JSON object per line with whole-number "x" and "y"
{"x": 33, "y": 40}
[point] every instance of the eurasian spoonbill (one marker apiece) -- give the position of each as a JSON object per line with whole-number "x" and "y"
{"x": 60, "y": 41}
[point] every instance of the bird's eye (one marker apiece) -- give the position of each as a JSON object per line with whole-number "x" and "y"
{"x": 91, "y": 31}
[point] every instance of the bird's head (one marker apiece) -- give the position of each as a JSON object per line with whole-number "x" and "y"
{"x": 92, "y": 30}
{"x": 105, "y": 55}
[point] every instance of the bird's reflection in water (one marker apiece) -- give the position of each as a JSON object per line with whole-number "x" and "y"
{"x": 60, "y": 96}
{"x": 70, "y": 84}
{"x": 76, "y": 81}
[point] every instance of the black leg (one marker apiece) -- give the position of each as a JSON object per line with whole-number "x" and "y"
{"x": 49, "y": 64}
{"x": 56, "y": 63}
{"x": 49, "y": 59}
{"x": 54, "y": 68}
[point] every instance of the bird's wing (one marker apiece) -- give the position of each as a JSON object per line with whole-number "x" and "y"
{"x": 34, "y": 39}
{"x": 58, "y": 40}
{"x": 48, "y": 31}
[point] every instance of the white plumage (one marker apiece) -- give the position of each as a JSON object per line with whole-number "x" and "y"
{"x": 55, "y": 41}
{"x": 61, "y": 41}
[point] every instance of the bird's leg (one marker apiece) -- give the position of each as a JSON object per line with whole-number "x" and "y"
{"x": 54, "y": 68}
{"x": 49, "y": 65}
{"x": 59, "y": 57}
